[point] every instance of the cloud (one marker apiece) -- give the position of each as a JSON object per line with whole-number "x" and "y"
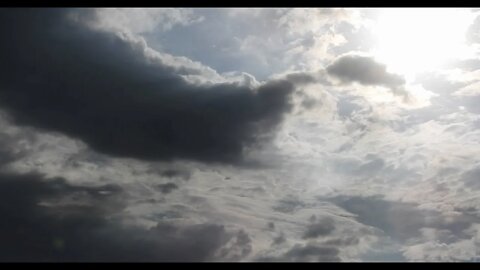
{"x": 278, "y": 240}
{"x": 237, "y": 249}
{"x": 364, "y": 70}
{"x": 319, "y": 228}
{"x": 110, "y": 92}
{"x": 470, "y": 178}
{"x": 464, "y": 251}
{"x": 471, "y": 90}
{"x": 167, "y": 188}
{"x": 472, "y": 35}
{"x": 398, "y": 220}
{"x": 404, "y": 221}
{"x": 259, "y": 41}
{"x": 56, "y": 219}
{"x": 45, "y": 220}
{"x": 402, "y": 181}
{"x": 288, "y": 205}
{"x": 140, "y": 21}
{"x": 347, "y": 106}
{"x": 312, "y": 252}
{"x": 372, "y": 80}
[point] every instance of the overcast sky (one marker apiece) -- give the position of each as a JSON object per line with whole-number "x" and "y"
{"x": 239, "y": 134}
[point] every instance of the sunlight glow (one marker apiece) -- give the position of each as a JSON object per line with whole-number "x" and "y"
{"x": 413, "y": 40}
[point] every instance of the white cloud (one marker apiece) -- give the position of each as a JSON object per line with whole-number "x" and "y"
{"x": 472, "y": 89}
{"x": 141, "y": 20}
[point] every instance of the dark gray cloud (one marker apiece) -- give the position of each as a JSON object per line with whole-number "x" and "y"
{"x": 10, "y": 149}
{"x": 315, "y": 252}
{"x": 364, "y": 70}
{"x": 280, "y": 239}
{"x": 75, "y": 226}
{"x": 403, "y": 221}
{"x": 342, "y": 241}
{"x": 271, "y": 226}
{"x": 61, "y": 76}
{"x": 239, "y": 248}
{"x": 306, "y": 253}
{"x": 171, "y": 173}
{"x": 167, "y": 188}
{"x": 51, "y": 220}
{"x": 318, "y": 228}
{"x": 6, "y": 153}
{"x": 304, "y": 78}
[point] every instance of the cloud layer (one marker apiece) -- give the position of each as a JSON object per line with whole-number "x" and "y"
{"x": 115, "y": 145}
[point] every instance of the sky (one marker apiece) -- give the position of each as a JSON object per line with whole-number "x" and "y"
{"x": 239, "y": 134}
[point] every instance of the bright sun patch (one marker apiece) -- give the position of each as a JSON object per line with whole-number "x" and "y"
{"x": 410, "y": 41}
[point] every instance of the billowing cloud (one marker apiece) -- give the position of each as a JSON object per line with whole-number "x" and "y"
{"x": 363, "y": 74}
{"x": 364, "y": 70}
{"x": 107, "y": 91}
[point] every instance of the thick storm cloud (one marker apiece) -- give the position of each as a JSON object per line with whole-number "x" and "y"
{"x": 51, "y": 220}
{"x": 46, "y": 219}
{"x": 59, "y": 75}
